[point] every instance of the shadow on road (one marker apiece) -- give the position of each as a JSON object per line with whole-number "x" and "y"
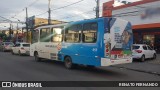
{"x": 139, "y": 61}
{"x": 102, "y": 71}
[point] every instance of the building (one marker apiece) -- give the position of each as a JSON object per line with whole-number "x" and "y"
{"x": 144, "y": 16}
{"x": 42, "y": 21}
{"x": 34, "y": 22}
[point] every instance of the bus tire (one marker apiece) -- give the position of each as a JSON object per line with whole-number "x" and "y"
{"x": 36, "y": 57}
{"x": 68, "y": 62}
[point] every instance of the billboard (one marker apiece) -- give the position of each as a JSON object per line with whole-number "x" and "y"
{"x": 31, "y": 22}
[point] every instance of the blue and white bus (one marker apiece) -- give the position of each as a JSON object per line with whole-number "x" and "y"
{"x": 96, "y": 42}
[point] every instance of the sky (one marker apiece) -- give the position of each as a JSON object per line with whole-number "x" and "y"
{"x": 14, "y": 10}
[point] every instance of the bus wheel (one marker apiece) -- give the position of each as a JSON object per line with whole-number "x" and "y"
{"x": 68, "y": 63}
{"x": 36, "y": 57}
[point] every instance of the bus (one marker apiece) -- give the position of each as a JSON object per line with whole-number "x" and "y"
{"x": 94, "y": 42}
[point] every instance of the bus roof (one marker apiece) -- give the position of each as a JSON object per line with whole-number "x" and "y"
{"x": 87, "y": 20}
{"x": 77, "y": 22}
{"x": 95, "y": 19}
{"x": 47, "y": 26}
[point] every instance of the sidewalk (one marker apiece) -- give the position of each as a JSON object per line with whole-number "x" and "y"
{"x": 142, "y": 67}
{"x": 149, "y": 66}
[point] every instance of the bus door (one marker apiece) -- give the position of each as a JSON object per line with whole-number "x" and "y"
{"x": 73, "y": 41}
{"x": 89, "y": 50}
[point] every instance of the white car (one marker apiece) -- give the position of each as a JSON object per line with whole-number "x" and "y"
{"x": 21, "y": 48}
{"x": 143, "y": 51}
{"x": 6, "y": 46}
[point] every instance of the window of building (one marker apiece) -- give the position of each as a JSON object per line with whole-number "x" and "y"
{"x": 56, "y": 34}
{"x": 148, "y": 39}
{"x": 89, "y": 34}
{"x": 73, "y": 34}
{"x": 45, "y": 35}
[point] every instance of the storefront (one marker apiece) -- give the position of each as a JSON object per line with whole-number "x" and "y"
{"x": 145, "y": 18}
{"x": 148, "y": 36}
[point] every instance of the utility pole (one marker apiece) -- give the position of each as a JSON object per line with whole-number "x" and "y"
{"x": 27, "y": 23}
{"x": 17, "y": 33}
{"x": 97, "y": 9}
{"x": 49, "y": 12}
{"x": 10, "y": 31}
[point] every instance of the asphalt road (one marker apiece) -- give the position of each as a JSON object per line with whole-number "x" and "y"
{"x": 24, "y": 68}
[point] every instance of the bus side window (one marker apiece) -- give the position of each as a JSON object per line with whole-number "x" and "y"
{"x": 45, "y": 35}
{"x": 56, "y": 34}
{"x": 73, "y": 34}
{"x": 89, "y": 34}
{"x": 35, "y": 36}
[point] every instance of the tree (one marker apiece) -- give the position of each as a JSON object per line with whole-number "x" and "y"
{"x": 3, "y": 36}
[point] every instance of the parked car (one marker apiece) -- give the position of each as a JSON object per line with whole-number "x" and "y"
{"x": 6, "y": 46}
{"x": 142, "y": 52}
{"x": 21, "y": 49}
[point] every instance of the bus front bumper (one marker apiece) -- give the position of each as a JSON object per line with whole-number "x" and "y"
{"x": 109, "y": 62}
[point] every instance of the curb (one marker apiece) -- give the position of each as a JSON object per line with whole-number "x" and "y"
{"x": 138, "y": 70}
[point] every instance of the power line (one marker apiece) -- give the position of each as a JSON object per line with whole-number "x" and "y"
{"x": 32, "y": 3}
{"x": 61, "y": 7}
{"x": 24, "y": 8}
{"x": 133, "y": 13}
{"x": 73, "y": 16}
{"x": 130, "y": 13}
{"x": 6, "y": 19}
{"x": 68, "y": 5}
{"x": 41, "y": 13}
{"x": 17, "y": 13}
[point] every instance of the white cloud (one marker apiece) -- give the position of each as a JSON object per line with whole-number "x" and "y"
{"x": 80, "y": 13}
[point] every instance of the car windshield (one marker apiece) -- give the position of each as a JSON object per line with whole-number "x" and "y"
{"x": 136, "y": 47}
{"x": 26, "y": 45}
{"x": 8, "y": 43}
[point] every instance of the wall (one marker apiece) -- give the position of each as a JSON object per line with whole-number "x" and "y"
{"x": 142, "y": 14}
